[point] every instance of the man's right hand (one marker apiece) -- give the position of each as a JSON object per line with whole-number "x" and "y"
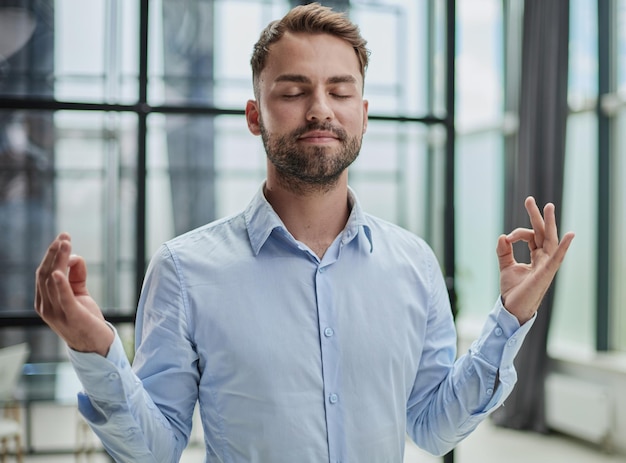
{"x": 63, "y": 302}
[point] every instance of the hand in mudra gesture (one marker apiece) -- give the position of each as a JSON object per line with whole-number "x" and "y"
{"x": 63, "y": 302}
{"x": 523, "y": 285}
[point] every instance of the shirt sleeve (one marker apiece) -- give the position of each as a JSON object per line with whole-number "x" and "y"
{"x": 133, "y": 411}
{"x": 119, "y": 410}
{"x": 451, "y": 397}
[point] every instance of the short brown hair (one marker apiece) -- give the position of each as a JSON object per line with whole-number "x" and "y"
{"x": 312, "y": 18}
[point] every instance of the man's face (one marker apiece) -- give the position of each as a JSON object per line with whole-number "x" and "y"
{"x": 310, "y": 114}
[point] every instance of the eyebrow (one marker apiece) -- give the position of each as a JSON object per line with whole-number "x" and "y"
{"x": 301, "y": 79}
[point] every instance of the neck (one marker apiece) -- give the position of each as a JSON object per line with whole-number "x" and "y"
{"x": 314, "y": 216}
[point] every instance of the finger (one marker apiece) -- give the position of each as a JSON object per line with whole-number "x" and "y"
{"x": 57, "y": 267}
{"x": 522, "y": 234}
{"x": 52, "y": 309}
{"x": 550, "y": 268}
{"x": 43, "y": 272}
{"x": 62, "y": 291}
{"x": 551, "y": 240}
{"x": 62, "y": 303}
{"x": 77, "y": 274}
{"x": 62, "y": 257}
{"x": 504, "y": 250}
{"x": 536, "y": 220}
{"x": 48, "y": 260}
{"x": 562, "y": 248}
{"x": 55, "y": 258}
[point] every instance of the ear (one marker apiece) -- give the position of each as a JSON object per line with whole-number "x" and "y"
{"x": 365, "y": 109}
{"x": 252, "y": 117}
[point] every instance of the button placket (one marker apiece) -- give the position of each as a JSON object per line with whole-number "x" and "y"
{"x": 330, "y": 359}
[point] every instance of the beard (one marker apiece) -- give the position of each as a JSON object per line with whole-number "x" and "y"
{"x": 310, "y": 168}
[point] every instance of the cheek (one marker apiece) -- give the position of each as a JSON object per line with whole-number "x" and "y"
{"x": 353, "y": 121}
{"x": 281, "y": 117}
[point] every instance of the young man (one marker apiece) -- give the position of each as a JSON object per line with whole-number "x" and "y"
{"x": 307, "y": 330}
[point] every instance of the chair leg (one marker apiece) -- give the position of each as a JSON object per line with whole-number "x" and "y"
{"x": 18, "y": 449}
{"x": 4, "y": 449}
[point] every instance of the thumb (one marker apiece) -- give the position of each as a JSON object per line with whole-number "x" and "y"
{"x": 504, "y": 250}
{"x": 77, "y": 274}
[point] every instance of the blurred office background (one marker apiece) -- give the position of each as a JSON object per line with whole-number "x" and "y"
{"x": 121, "y": 122}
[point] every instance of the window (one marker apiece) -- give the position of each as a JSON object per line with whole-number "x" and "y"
{"x": 574, "y": 317}
{"x": 480, "y": 154}
{"x": 122, "y": 123}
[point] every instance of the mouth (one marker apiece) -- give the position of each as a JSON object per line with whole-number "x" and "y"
{"x": 319, "y": 137}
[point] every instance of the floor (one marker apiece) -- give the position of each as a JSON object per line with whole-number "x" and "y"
{"x": 488, "y": 444}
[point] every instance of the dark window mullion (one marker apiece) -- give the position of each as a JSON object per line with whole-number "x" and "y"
{"x": 604, "y": 134}
{"x": 142, "y": 116}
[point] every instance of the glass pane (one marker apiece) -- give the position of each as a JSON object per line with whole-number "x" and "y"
{"x": 27, "y": 205}
{"x": 239, "y": 165}
{"x": 397, "y": 36}
{"x": 181, "y": 54}
{"x": 27, "y": 49}
{"x": 96, "y": 158}
{"x": 621, "y": 45}
{"x": 583, "y": 45}
{"x": 70, "y": 49}
{"x": 479, "y": 205}
{"x": 79, "y": 46}
{"x": 618, "y": 212}
{"x": 618, "y": 247}
{"x": 479, "y": 66}
{"x": 236, "y": 30}
{"x": 67, "y": 171}
{"x": 95, "y": 50}
{"x": 479, "y": 155}
{"x": 200, "y": 52}
{"x": 573, "y": 323}
{"x": 392, "y": 175}
{"x": 199, "y": 168}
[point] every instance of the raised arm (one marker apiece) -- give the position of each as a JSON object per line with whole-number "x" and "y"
{"x": 63, "y": 302}
{"x": 522, "y": 285}
{"x": 115, "y": 402}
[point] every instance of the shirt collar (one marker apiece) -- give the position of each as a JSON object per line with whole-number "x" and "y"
{"x": 261, "y": 220}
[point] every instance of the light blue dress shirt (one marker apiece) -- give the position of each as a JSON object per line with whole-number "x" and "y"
{"x": 293, "y": 358}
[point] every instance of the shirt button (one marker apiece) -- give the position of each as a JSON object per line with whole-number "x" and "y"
{"x": 498, "y": 331}
{"x": 114, "y": 376}
{"x": 489, "y": 391}
{"x": 321, "y": 269}
{"x": 333, "y": 398}
{"x": 512, "y": 341}
{"x": 328, "y": 332}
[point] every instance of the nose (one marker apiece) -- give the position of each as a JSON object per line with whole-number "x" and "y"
{"x": 319, "y": 108}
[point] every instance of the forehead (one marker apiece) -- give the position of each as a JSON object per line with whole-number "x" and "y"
{"x": 316, "y": 56}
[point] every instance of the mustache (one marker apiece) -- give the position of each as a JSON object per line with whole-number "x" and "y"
{"x": 321, "y": 126}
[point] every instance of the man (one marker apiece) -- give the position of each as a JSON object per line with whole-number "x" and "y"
{"x": 307, "y": 330}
